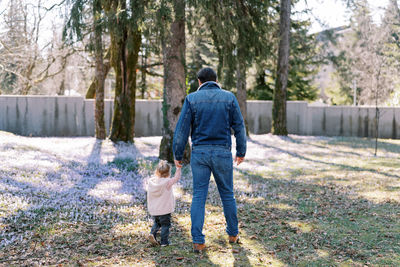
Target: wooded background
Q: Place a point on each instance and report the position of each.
(153, 49)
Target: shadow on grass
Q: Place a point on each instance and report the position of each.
(70, 225)
(341, 166)
(351, 142)
(284, 221)
(78, 227)
(306, 224)
(332, 151)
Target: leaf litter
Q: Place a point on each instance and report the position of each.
(301, 200)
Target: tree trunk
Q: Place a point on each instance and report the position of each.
(133, 48)
(241, 78)
(220, 54)
(100, 130)
(143, 71)
(124, 55)
(61, 89)
(173, 48)
(279, 105)
(91, 92)
(118, 127)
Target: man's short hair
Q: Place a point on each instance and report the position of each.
(207, 74)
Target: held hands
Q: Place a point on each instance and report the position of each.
(178, 163)
(238, 160)
(178, 172)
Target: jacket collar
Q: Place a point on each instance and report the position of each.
(209, 85)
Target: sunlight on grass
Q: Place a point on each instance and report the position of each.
(42, 180)
(110, 190)
(281, 206)
(10, 205)
(9, 188)
(301, 226)
(117, 261)
(249, 253)
(255, 200)
(302, 201)
(214, 223)
(243, 185)
(131, 229)
(322, 253)
(256, 255)
(380, 196)
(215, 256)
(180, 194)
(183, 221)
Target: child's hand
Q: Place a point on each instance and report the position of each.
(178, 172)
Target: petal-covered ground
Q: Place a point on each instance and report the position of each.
(302, 200)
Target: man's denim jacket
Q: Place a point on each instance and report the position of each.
(211, 113)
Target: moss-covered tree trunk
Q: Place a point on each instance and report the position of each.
(91, 92)
(133, 48)
(118, 126)
(279, 105)
(100, 130)
(173, 48)
(143, 84)
(125, 44)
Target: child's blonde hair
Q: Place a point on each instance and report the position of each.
(163, 169)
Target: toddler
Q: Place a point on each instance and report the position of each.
(161, 201)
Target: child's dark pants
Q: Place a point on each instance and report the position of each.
(163, 222)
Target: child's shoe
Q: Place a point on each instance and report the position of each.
(153, 240)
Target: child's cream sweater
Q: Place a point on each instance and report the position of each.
(160, 196)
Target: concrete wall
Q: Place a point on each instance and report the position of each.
(68, 116)
(74, 116)
(353, 121)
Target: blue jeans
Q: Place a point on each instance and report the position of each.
(163, 222)
(218, 160)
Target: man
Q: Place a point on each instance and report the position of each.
(210, 113)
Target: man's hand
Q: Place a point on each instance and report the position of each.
(178, 163)
(239, 160)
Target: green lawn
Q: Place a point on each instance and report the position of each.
(302, 201)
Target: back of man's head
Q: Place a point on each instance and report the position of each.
(206, 75)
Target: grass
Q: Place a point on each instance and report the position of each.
(302, 201)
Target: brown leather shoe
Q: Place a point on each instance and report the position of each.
(234, 239)
(197, 248)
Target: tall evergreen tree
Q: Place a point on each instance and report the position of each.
(237, 29)
(14, 38)
(200, 52)
(279, 105)
(304, 61)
